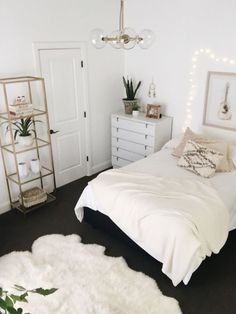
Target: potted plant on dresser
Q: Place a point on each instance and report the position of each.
(130, 102)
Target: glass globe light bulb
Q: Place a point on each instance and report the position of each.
(147, 38)
(115, 42)
(96, 37)
(129, 38)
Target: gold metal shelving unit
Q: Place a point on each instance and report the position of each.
(14, 149)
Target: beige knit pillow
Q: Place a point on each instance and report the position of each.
(199, 159)
(188, 135)
(226, 164)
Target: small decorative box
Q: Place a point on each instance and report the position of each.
(32, 197)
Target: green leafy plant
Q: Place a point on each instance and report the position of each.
(23, 127)
(135, 107)
(130, 90)
(8, 300)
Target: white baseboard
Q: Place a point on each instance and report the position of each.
(100, 167)
(5, 207)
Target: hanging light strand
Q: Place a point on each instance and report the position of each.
(192, 80)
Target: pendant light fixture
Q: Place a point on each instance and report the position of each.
(125, 37)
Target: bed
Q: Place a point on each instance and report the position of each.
(173, 234)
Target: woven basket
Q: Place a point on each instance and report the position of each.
(32, 197)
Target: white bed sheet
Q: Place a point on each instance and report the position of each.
(163, 164)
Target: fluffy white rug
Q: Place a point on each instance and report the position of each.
(88, 281)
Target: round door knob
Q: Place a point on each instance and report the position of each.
(53, 132)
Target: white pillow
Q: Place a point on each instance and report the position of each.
(199, 159)
(174, 142)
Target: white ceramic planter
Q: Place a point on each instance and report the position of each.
(25, 141)
(135, 113)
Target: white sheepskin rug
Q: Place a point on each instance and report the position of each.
(88, 281)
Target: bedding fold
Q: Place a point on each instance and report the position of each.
(178, 221)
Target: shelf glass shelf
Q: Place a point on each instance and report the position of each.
(17, 205)
(20, 79)
(31, 177)
(19, 149)
(36, 112)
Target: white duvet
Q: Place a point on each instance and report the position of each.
(179, 219)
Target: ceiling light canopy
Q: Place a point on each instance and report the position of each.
(125, 37)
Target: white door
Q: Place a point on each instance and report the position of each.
(62, 71)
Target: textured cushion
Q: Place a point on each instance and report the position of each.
(188, 135)
(199, 159)
(226, 164)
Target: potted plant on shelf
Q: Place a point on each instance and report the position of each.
(130, 102)
(23, 128)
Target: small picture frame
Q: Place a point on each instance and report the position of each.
(153, 111)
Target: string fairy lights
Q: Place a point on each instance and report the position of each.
(192, 79)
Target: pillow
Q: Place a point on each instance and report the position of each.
(188, 135)
(173, 143)
(226, 164)
(199, 159)
(234, 155)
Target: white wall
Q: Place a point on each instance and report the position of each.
(27, 21)
(181, 27)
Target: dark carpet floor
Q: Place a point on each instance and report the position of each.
(212, 289)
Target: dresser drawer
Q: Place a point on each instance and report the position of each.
(133, 137)
(125, 154)
(119, 162)
(141, 149)
(135, 126)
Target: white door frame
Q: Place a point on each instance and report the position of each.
(37, 46)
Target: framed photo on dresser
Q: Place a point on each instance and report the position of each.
(153, 111)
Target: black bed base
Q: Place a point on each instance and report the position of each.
(104, 223)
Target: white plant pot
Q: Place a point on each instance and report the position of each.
(25, 141)
(135, 113)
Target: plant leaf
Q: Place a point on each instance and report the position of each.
(3, 304)
(139, 83)
(19, 298)
(9, 301)
(19, 288)
(44, 292)
(11, 310)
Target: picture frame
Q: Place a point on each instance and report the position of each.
(220, 100)
(153, 111)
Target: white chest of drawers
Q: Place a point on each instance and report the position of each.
(134, 138)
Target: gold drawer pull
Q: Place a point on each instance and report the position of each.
(117, 129)
(117, 119)
(146, 136)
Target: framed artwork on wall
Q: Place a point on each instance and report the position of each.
(153, 111)
(220, 100)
